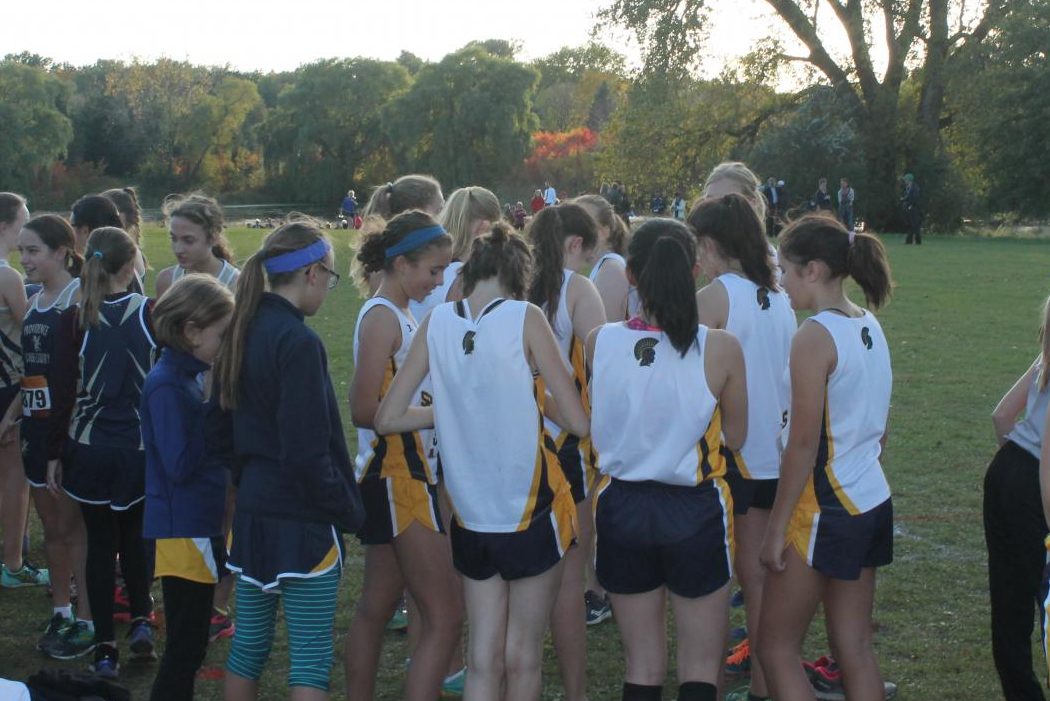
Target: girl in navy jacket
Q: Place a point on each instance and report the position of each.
(185, 493)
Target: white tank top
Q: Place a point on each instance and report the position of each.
(227, 275)
(500, 469)
(412, 454)
(764, 323)
(634, 305)
(654, 416)
(847, 474)
(437, 295)
(10, 343)
(1028, 432)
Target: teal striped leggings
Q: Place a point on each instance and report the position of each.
(309, 610)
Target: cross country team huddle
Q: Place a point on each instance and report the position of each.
(551, 426)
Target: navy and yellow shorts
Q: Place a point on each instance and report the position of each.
(751, 494)
(839, 544)
(392, 504)
(516, 555)
(573, 465)
(651, 534)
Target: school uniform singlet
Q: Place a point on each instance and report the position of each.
(10, 349)
(115, 358)
(38, 341)
(569, 446)
(764, 323)
(1028, 432)
(410, 454)
(227, 275)
(848, 476)
(438, 295)
(654, 417)
(634, 303)
(500, 466)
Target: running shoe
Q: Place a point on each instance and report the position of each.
(738, 634)
(825, 677)
(737, 599)
(738, 663)
(220, 626)
(26, 576)
(597, 607)
(121, 604)
(140, 639)
(77, 640)
(106, 664)
(741, 694)
(54, 631)
(399, 621)
(453, 685)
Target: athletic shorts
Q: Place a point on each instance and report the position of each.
(517, 555)
(105, 476)
(34, 434)
(749, 493)
(652, 535)
(392, 504)
(838, 544)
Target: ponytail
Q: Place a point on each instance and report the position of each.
(405, 193)
(605, 215)
(859, 256)
(733, 224)
(661, 258)
(548, 231)
(501, 254)
(55, 233)
(250, 287)
(109, 250)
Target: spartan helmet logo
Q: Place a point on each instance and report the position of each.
(468, 342)
(762, 294)
(865, 338)
(644, 351)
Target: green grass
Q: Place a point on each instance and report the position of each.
(962, 327)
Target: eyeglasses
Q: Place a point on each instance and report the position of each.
(333, 277)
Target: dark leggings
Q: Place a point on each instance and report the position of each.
(1014, 529)
(187, 607)
(109, 532)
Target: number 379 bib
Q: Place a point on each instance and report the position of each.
(36, 397)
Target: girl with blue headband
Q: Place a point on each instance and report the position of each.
(296, 493)
(398, 475)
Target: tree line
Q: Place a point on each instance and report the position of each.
(967, 112)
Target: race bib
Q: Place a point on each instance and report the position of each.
(36, 397)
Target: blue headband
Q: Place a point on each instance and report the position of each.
(293, 260)
(414, 240)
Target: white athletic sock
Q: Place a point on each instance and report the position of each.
(65, 611)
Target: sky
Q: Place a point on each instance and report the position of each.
(280, 35)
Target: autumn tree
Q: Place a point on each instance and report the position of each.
(934, 31)
(36, 129)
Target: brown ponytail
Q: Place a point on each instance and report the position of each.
(733, 224)
(251, 284)
(501, 254)
(109, 250)
(860, 256)
(605, 215)
(548, 231)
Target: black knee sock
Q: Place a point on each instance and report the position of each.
(697, 691)
(641, 692)
(752, 697)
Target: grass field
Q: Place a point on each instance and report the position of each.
(962, 326)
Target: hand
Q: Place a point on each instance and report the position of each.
(54, 476)
(772, 553)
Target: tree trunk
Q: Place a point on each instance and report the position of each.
(879, 135)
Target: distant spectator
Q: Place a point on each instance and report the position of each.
(774, 206)
(846, 196)
(550, 195)
(536, 203)
(519, 216)
(657, 204)
(910, 203)
(348, 208)
(821, 200)
(678, 206)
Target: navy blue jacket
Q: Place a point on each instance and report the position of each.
(290, 454)
(185, 492)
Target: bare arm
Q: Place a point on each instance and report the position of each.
(813, 358)
(380, 337)
(1012, 404)
(724, 362)
(611, 283)
(395, 413)
(164, 280)
(712, 303)
(541, 347)
(585, 306)
(13, 290)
